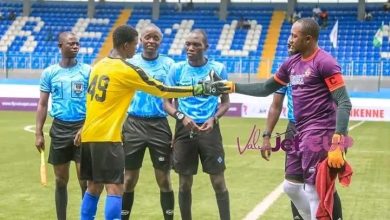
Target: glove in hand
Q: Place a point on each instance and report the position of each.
(336, 155)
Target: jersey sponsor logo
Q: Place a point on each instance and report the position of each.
(296, 80)
(299, 79)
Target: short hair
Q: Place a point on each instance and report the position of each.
(203, 33)
(151, 26)
(310, 27)
(124, 34)
(64, 34)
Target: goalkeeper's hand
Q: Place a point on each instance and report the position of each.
(216, 86)
(336, 155)
(213, 88)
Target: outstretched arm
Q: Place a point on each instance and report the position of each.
(253, 89)
(142, 81)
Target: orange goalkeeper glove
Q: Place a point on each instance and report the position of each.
(336, 156)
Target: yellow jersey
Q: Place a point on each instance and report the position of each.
(111, 87)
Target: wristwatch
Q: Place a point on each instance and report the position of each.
(179, 115)
(266, 134)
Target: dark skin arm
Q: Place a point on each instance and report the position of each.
(272, 118)
(222, 109)
(171, 108)
(40, 120)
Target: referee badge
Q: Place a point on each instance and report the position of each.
(77, 88)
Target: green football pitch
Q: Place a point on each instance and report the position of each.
(250, 179)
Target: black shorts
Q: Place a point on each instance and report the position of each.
(188, 148)
(140, 133)
(102, 162)
(62, 149)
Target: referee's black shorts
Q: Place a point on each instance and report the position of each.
(189, 147)
(62, 149)
(141, 133)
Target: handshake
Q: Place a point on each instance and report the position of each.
(214, 88)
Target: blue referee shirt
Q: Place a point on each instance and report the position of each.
(199, 108)
(144, 104)
(68, 87)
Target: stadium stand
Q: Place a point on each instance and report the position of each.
(355, 52)
(30, 42)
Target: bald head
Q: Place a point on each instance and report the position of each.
(309, 27)
(151, 28)
(62, 37)
(69, 44)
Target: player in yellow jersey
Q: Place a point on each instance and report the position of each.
(112, 85)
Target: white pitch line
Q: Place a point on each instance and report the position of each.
(264, 205)
(261, 207)
(356, 125)
(31, 128)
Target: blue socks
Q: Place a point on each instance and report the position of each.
(112, 210)
(113, 207)
(89, 206)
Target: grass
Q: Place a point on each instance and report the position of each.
(249, 177)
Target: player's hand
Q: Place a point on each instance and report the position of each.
(190, 124)
(206, 88)
(336, 156)
(40, 142)
(208, 125)
(215, 86)
(77, 138)
(223, 86)
(266, 149)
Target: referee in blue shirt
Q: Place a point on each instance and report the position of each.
(67, 83)
(147, 126)
(197, 132)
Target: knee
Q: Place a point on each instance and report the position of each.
(61, 181)
(130, 183)
(219, 184)
(185, 186)
(165, 184)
